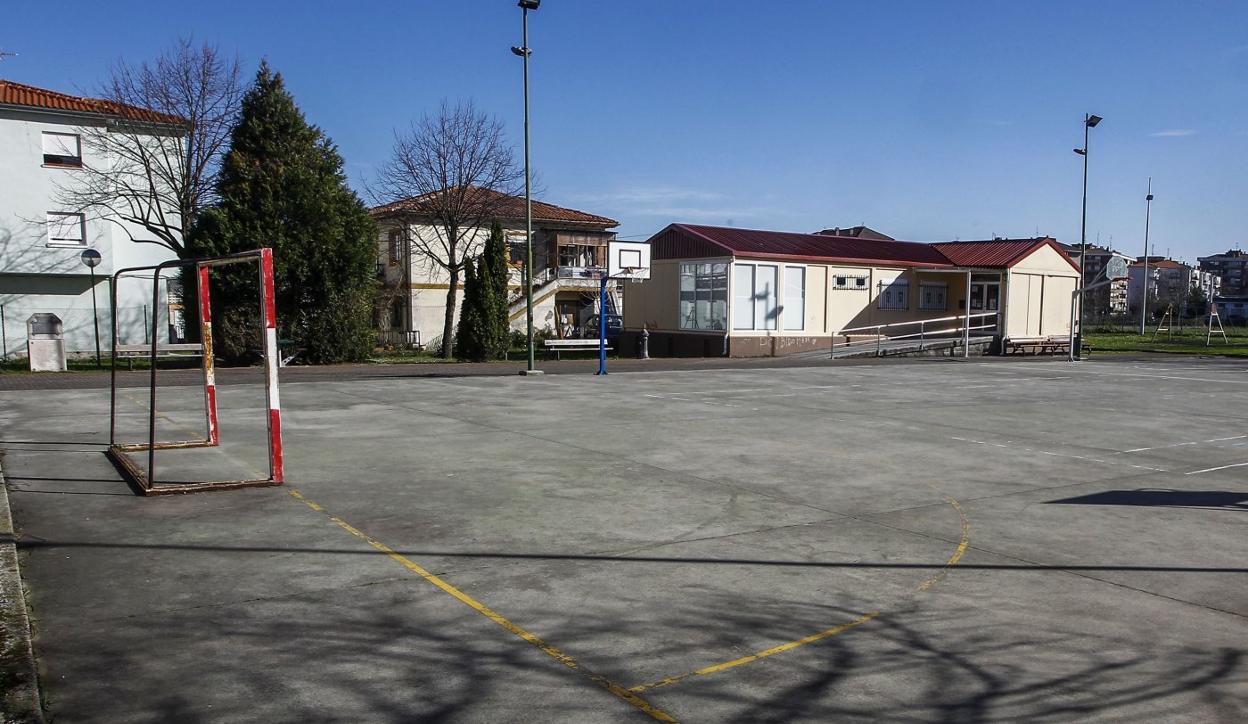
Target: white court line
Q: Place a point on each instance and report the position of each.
(1181, 444)
(1057, 454)
(1098, 373)
(692, 402)
(1220, 467)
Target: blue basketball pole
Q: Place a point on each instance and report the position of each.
(602, 326)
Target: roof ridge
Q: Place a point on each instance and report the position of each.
(61, 101)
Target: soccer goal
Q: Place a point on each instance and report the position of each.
(123, 454)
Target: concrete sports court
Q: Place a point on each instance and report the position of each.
(917, 540)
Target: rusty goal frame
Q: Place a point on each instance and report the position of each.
(144, 479)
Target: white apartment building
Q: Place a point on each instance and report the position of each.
(41, 240)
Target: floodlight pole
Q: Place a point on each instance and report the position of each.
(1076, 348)
(523, 51)
(1148, 210)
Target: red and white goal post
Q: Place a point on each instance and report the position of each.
(144, 479)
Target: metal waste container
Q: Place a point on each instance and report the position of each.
(45, 342)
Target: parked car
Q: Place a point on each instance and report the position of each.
(615, 325)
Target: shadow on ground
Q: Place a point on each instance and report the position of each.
(1164, 498)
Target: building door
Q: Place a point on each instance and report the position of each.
(985, 297)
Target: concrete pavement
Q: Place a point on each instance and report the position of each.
(928, 540)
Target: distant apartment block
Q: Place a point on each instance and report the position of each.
(1110, 299)
(1232, 267)
(1167, 282)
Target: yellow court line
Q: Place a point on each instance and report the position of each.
(957, 553)
(618, 691)
(925, 585)
(755, 657)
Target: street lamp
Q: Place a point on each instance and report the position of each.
(1148, 210)
(91, 258)
(1089, 122)
(524, 52)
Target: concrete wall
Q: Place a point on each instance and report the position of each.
(37, 276)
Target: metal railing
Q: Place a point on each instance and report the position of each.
(964, 329)
(398, 338)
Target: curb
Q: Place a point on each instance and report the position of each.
(19, 684)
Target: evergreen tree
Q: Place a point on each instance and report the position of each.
(496, 272)
(282, 186)
(472, 335)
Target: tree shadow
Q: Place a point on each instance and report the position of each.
(1208, 499)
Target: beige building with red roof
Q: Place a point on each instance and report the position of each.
(716, 291)
(569, 256)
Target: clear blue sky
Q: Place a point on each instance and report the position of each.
(928, 121)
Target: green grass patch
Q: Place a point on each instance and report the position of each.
(1187, 341)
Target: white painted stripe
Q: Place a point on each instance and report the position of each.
(1220, 467)
(272, 361)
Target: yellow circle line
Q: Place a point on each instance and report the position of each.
(827, 633)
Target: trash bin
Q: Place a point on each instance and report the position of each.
(45, 342)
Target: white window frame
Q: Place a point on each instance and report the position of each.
(763, 311)
(942, 288)
(694, 272)
(75, 160)
(894, 295)
(794, 319)
(57, 220)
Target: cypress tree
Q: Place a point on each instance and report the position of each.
(282, 186)
(496, 272)
(472, 335)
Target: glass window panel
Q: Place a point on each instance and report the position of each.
(65, 228)
(794, 297)
(765, 294)
(743, 296)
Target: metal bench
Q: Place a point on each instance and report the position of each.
(131, 352)
(571, 345)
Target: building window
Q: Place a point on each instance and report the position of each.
(794, 297)
(755, 296)
(66, 229)
(895, 294)
(849, 281)
(62, 149)
(704, 296)
(518, 248)
(933, 295)
(396, 246)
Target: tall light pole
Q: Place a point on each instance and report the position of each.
(91, 258)
(1089, 122)
(1148, 211)
(524, 52)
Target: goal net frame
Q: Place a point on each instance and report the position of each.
(144, 478)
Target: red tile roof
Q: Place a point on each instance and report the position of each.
(1161, 264)
(996, 253)
(689, 241)
(26, 96)
(756, 243)
(505, 208)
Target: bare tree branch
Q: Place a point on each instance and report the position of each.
(450, 175)
(158, 152)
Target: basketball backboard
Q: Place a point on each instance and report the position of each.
(628, 260)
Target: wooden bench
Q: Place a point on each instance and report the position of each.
(1040, 345)
(571, 345)
(131, 352)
